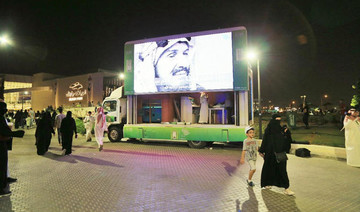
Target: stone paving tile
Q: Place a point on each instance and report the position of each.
(164, 176)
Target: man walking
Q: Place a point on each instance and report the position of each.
(58, 120)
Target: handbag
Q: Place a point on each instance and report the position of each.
(280, 156)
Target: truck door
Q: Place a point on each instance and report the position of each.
(111, 109)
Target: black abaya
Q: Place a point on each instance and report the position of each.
(67, 129)
(43, 135)
(275, 140)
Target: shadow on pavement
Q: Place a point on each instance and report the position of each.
(136, 153)
(160, 143)
(73, 146)
(251, 204)
(229, 168)
(275, 201)
(184, 144)
(96, 161)
(55, 148)
(237, 202)
(76, 158)
(5, 204)
(84, 147)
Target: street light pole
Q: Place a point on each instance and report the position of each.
(259, 99)
(321, 100)
(251, 56)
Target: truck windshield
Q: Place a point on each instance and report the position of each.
(109, 106)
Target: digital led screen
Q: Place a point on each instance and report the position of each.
(198, 63)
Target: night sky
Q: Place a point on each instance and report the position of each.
(307, 47)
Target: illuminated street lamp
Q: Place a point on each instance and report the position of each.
(4, 40)
(321, 99)
(121, 77)
(292, 104)
(304, 101)
(251, 55)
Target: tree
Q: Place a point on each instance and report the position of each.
(355, 101)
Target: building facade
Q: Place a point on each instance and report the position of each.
(43, 90)
(16, 90)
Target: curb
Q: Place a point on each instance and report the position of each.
(321, 151)
(336, 153)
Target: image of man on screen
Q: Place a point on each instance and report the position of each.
(172, 65)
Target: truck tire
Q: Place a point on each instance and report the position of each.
(197, 144)
(115, 134)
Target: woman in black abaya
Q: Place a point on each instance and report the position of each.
(43, 133)
(67, 129)
(276, 139)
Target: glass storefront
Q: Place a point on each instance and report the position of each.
(17, 100)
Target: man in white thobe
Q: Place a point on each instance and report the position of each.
(204, 108)
(352, 137)
(89, 122)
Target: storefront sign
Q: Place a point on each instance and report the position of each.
(76, 93)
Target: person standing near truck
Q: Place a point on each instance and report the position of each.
(89, 121)
(204, 108)
(100, 127)
(249, 153)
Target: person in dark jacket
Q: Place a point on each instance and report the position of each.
(5, 135)
(306, 116)
(37, 117)
(53, 116)
(23, 118)
(67, 129)
(276, 139)
(43, 133)
(18, 117)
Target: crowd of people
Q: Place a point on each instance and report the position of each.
(46, 123)
(275, 144)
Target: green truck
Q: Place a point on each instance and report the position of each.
(173, 83)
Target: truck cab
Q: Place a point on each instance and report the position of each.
(115, 110)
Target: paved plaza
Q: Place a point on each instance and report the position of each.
(167, 176)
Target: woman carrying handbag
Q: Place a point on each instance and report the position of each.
(275, 144)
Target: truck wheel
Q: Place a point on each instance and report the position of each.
(115, 134)
(197, 144)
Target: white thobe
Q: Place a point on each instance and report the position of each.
(352, 142)
(204, 109)
(99, 130)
